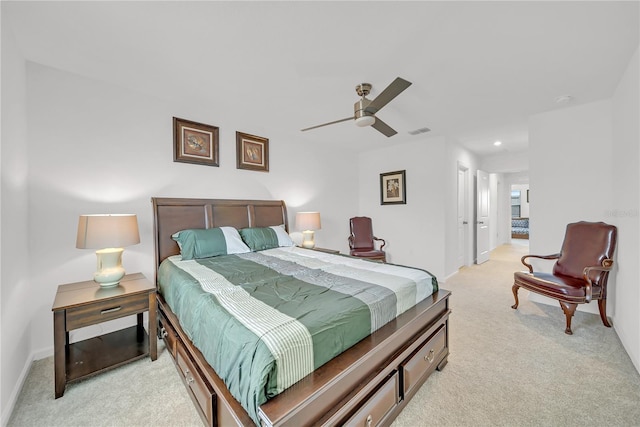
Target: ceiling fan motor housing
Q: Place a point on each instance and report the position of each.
(362, 117)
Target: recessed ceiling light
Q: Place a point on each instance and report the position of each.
(563, 99)
(497, 143)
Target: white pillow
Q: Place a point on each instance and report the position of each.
(235, 245)
(283, 237)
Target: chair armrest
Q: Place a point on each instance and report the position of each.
(350, 238)
(380, 240)
(606, 266)
(529, 266)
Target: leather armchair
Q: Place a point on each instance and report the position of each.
(362, 241)
(580, 273)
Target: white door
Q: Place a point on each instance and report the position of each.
(482, 218)
(462, 215)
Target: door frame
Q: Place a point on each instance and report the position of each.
(461, 167)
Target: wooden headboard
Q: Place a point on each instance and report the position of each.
(175, 214)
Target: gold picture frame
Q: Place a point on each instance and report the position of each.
(195, 143)
(393, 188)
(252, 152)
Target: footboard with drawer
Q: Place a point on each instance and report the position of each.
(367, 385)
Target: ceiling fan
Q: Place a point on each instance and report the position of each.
(365, 109)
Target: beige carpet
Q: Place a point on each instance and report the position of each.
(506, 368)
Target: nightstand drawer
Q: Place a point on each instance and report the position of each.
(90, 314)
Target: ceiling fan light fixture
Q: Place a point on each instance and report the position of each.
(364, 121)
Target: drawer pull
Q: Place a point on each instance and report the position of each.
(369, 420)
(190, 380)
(429, 357)
(111, 310)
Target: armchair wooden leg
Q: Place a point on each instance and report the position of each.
(515, 288)
(602, 306)
(569, 309)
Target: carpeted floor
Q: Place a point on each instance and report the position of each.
(507, 368)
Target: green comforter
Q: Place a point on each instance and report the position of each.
(264, 320)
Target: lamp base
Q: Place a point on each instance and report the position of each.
(308, 239)
(110, 270)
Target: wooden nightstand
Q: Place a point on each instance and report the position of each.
(329, 251)
(86, 303)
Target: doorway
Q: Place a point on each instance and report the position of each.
(520, 213)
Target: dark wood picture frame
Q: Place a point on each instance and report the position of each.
(195, 143)
(252, 152)
(393, 188)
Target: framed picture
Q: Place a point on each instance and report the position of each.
(252, 152)
(393, 188)
(195, 142)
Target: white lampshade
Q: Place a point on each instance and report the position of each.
(307, 222)
(109, 234)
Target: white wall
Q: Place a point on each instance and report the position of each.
(584, 166)
(455, 155)
(16, 306)
(413, 231)
(625, 209)
(570, 172)
(96, 148)
(505, 162)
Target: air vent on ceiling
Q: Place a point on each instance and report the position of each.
(419, 131)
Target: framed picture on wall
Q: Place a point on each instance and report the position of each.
(252, 152)
(195, 142)
(393, 188)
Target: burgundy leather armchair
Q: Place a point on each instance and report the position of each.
(362, 241)
(580, 273)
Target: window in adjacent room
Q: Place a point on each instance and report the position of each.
(515, 204)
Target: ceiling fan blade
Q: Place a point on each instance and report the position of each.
(327, 124)
(394, 89)
(384, 128)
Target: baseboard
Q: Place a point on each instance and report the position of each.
(11, 402)
(43, 353)
(449, 276)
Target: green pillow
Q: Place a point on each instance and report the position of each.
(261, 238)
(209, 242)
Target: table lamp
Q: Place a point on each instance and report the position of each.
(307, 222)
(109, 234)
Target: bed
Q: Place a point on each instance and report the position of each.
(367, 382)
(519, 228)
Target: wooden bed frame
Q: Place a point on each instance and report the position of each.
(369, 384)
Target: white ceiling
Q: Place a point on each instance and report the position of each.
(479, 69)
